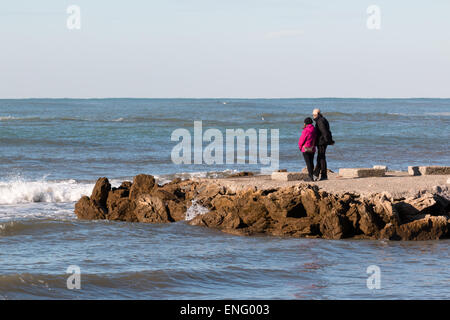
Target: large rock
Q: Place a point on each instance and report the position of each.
(175, 206)
(383, 207)
(210, 219)
(302, 227)
(119, 206)
(94, 208)
(302, 210)
(100, 191)
(123, 209)
(427, 228)
(284, 203)
(335, 226)
(174, 187)
(142, 184)
(177, 210)
(414, 208)
(151, 209)
(307, 211)
(87, 209)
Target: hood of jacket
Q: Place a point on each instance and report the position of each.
(309, 128)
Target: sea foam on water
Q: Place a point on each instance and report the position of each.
(18, 191)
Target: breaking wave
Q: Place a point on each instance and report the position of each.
(7, 118)
(17, 191)
(21, 191)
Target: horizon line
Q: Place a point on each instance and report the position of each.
(218, 98)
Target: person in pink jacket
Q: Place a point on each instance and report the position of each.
(307, 145)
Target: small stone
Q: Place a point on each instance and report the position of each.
(289, 176)
(385, 168)
(361, 172)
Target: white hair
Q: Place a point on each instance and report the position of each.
(316, 111)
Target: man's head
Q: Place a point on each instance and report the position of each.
(316, 113)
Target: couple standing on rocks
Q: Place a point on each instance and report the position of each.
(319, 136)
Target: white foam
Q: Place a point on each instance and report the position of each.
(194, 210)
(18, 191)
(445, 114)
(7, 118)
(43, 210)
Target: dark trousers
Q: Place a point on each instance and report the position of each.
(321, 165)
(309, 160)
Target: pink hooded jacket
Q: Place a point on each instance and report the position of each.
(308, 138)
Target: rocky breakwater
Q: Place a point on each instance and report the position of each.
(302, 210)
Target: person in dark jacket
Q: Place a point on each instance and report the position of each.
(324, 138)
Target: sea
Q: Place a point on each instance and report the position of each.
(53, 150)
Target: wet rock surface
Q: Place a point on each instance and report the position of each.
(140, 201)
(302, 210)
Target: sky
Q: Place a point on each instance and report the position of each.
(224, 49)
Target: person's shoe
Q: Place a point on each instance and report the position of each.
(323, 178)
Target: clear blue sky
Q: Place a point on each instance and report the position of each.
(226, 48)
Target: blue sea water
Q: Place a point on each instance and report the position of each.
(53, 150)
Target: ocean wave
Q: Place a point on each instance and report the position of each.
(33, 225)
(18, 191)
(157, 283)
(440, 114)
(7, 118)
(339, 114)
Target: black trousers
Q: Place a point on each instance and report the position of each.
(309, 160)
(321, 165)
